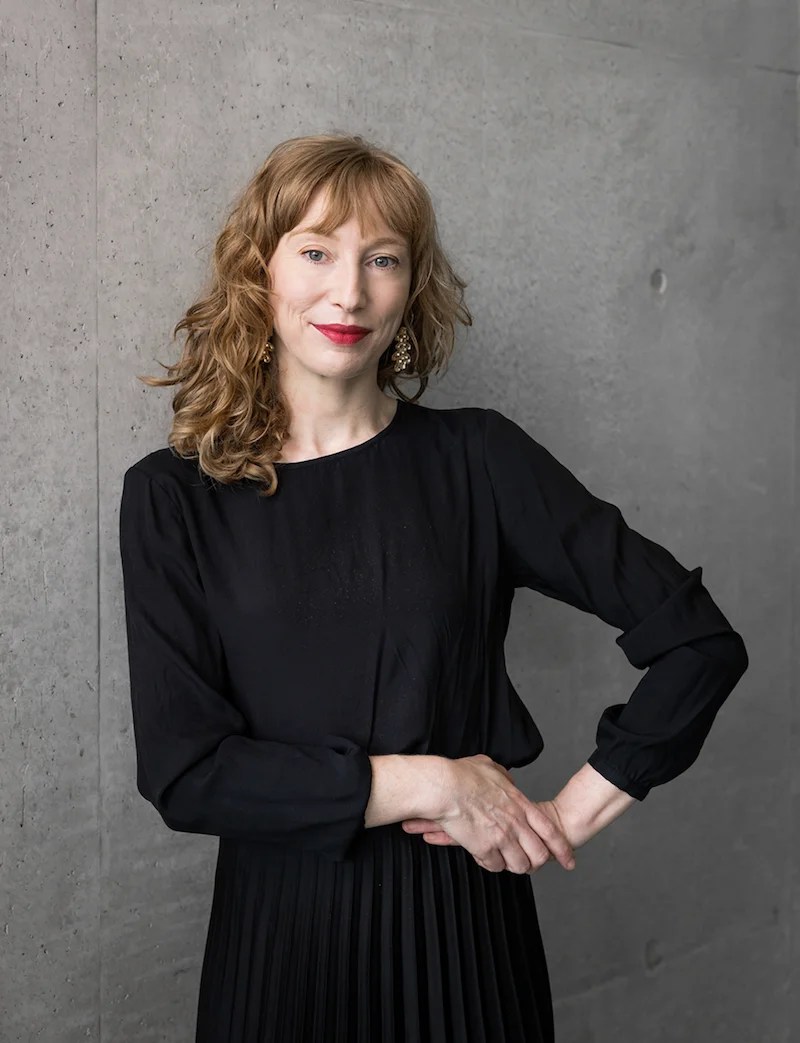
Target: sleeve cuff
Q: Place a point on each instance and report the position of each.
(616, 778)
(341, 850)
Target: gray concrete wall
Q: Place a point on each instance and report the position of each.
(572, 150)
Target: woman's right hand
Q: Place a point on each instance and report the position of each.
(494, 820)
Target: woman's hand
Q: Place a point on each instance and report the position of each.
(495, 821)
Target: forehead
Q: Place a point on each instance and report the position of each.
(318, 220)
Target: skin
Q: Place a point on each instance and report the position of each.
(332, 392)
(585, 805)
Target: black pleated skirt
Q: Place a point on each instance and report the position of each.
(405, 943)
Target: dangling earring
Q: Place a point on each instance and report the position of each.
(401, 355)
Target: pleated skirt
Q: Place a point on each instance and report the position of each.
(405, 942)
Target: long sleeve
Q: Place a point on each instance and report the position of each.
(196, 762)
(560, 539)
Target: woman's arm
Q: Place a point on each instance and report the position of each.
(406, 786)
(560, 539)
(587, 804)
(197, 761)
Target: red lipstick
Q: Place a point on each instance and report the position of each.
(342, 334)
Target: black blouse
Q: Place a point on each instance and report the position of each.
(276, 642)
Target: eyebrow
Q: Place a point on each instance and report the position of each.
(385, 240)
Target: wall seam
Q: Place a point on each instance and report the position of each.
(100, 850)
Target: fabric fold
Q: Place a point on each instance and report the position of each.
(444, 959)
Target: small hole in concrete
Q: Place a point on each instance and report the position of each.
(658, 281)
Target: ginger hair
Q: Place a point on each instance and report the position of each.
(228, 410)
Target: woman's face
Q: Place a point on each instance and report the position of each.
(342, 280)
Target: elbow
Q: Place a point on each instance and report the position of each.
(743, 660)
(728, 650)
(179, 816)
(736, 656)
(176, 822)
(184, 815)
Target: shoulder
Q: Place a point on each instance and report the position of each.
(480, 423)
(168, 470)
(454, 422)
(487, 437)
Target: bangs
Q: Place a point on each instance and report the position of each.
(372, 193)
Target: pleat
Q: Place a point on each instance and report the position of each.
(384, 941)
(213, 966)
(492, 1025)
(273, 1022)
(361, 951)
(471, 994)
(340, 970)
(320, 1025)
(300, 929)
(412, 965)
(452, 943)
(504, 960)
(525, 942)
(268, 880)
(428, 924)
(406, 942)
(252, 954)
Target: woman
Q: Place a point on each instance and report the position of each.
(318, 578)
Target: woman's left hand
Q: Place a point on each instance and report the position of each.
(432, 832)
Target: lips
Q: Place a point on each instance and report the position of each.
(342, 334)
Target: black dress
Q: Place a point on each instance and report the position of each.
(275, 643)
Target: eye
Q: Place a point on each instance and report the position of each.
(382, 267)
(384, 257)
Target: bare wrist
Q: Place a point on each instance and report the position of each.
(408, 786)
(440, 789)
(588, 803)
(430, 786)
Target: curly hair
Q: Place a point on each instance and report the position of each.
(229, 412)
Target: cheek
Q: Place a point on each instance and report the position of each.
(296, 295)
(302, 289)
(294, 284)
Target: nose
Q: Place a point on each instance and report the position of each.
(348, 286)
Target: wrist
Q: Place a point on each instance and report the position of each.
(434, 776)
(588, 803)
(407, 786)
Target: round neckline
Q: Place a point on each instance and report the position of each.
(351, 449)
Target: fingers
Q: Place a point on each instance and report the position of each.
(542, 841)
(525, 852)
(432, 832)
(525, 856)
(551, 836)
(421, 825)
(535, 841)
(492, 863)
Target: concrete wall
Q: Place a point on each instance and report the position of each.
(572, 151)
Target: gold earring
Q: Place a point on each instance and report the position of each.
(401, 355)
